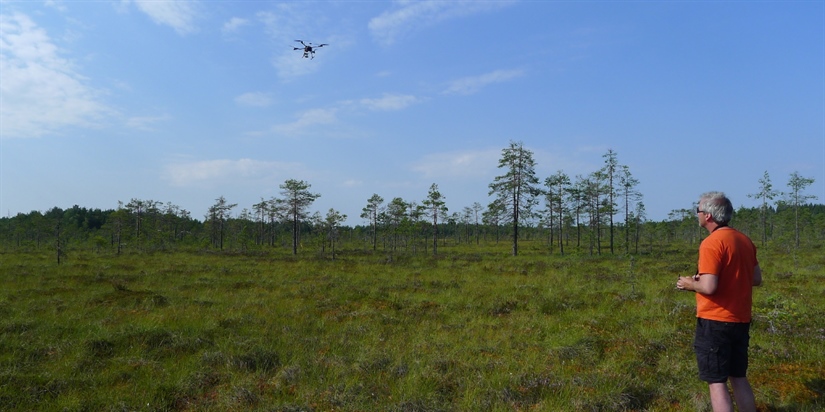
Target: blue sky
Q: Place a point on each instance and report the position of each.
(187, 101)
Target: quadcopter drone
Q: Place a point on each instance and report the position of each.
(309, 48)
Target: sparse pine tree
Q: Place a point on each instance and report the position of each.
(517, 189)
(296, 200)
(766, 194)
(796, 198)
(435, 208)
(371, 213)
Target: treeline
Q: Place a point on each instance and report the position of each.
(598, 213)
(156, 227)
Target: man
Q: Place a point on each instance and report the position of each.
(724, 282)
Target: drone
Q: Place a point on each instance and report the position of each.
(309, 48)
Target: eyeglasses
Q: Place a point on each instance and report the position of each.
(699, 211)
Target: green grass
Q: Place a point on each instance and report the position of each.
(464, 332)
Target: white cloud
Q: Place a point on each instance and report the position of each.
(285, 19)
(307, 119)
(179, 14)
(290, 65)
(222, 171)
(255, 99)
(41, 92)
(478, 163)
(390, 102)
(145, 122)
(233, 25)
(313, 118)
(411, 15)
(54, 4)
(470, 85)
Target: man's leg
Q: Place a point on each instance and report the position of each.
(744, 394)
(720, 398)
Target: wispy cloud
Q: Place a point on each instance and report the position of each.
(307, 120)
(54, 4)
(233, 25)
(179, 14)
(283, 20)
(470, 85)
(221, 171)
(390, 102)
(41, 91)
(467, 164)
(145, 123)
(350, 183)
(325, 116)
(254, 99)
(407, 16)
(290, 65)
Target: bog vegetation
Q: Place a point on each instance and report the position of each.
(473, 329)
(501, 308)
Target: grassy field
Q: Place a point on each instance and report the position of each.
(463, 332)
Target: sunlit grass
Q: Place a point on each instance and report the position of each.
(468, 331)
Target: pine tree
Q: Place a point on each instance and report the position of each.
(517, 188)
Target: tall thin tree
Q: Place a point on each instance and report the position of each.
(297, 198)
(260, 220)
(797, 184)
(218, 215)
(594, 189)
(371, 212)
(332, 222)
(765, 194)
(477, 209)
(557, 185)
(435, 208)
(518, 187)
(639, 217)
(576, 194)
(396, 215)
(610, 172)
(627, 184)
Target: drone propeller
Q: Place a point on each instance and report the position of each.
(310, 43)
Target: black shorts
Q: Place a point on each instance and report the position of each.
(721, 349)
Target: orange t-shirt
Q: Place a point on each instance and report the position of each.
(730, 255)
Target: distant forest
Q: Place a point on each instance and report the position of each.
(594, 214)
(151, 227)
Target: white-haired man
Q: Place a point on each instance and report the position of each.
(727, 272)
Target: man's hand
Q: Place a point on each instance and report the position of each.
(686, 283)
(705, 284)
